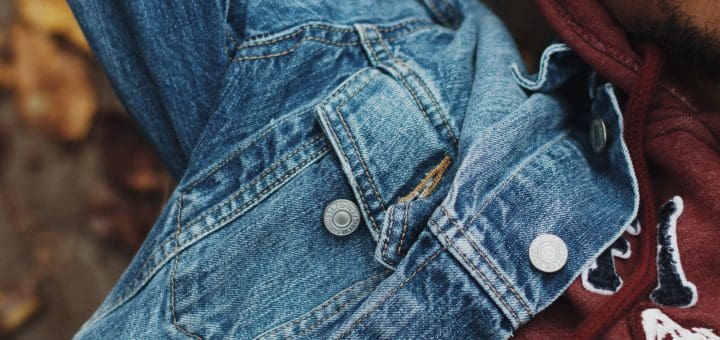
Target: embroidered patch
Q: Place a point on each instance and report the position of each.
(634, 228)
(657, 325)
(673, 288)
(601, 277)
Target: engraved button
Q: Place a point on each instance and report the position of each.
(598, 135)
(341, 217)
(548, 253)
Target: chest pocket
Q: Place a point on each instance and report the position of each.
(254, 256)
(386, 137)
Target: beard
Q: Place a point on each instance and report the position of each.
(682, 40)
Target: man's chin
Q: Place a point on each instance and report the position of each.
(684, 43)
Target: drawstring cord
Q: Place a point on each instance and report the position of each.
(634, 117)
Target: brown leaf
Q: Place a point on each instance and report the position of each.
(16, 308)
(7, 75)
(53, 88)
(52, 17)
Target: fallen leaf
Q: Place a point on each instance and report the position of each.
(7, 75)
(52, 17)
(53, 87)
(7, 78)
(16, 308)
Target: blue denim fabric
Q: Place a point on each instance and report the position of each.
(417, 111)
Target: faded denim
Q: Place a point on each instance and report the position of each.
(417, 111)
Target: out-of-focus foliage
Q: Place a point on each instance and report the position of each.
(52, 17)
(16, 307)
(80, 186)
(51, 83)
(53, 89)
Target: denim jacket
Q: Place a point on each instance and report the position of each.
(420, 113)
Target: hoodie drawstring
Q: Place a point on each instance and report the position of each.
(640, 284)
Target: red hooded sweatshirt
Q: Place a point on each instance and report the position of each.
(671, 272)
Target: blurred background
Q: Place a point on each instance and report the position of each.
(79, 184)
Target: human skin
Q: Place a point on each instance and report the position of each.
(688, 31)
(703, 13)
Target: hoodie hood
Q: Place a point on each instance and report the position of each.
(593, 34)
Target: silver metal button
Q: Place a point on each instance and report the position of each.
(598, 135)
(341, 217)
(548, 253)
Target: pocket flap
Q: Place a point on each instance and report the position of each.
(385, 136)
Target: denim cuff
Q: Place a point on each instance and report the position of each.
(503, 197)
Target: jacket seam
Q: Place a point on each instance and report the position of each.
(266, 172)
(485, 258)
(277, 182)
(412, 93)
(354, 143)
(257, 41)
(441, 112)
(241, 149)
(297, 44)
(172, 277)
(407, 86)
(341, 151)
(178, 248)
(390, 294)
(402, 79)
(391, 212)
(151, 262)
(404, 229)
(516, 172)
(477, 271)
(368, 44)
(436, 12)
(393, 291)
(499, 190)
(356, 288)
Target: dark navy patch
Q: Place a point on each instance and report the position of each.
(601, 277)
(673, 288)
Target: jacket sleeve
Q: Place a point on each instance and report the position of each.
(165, 60)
